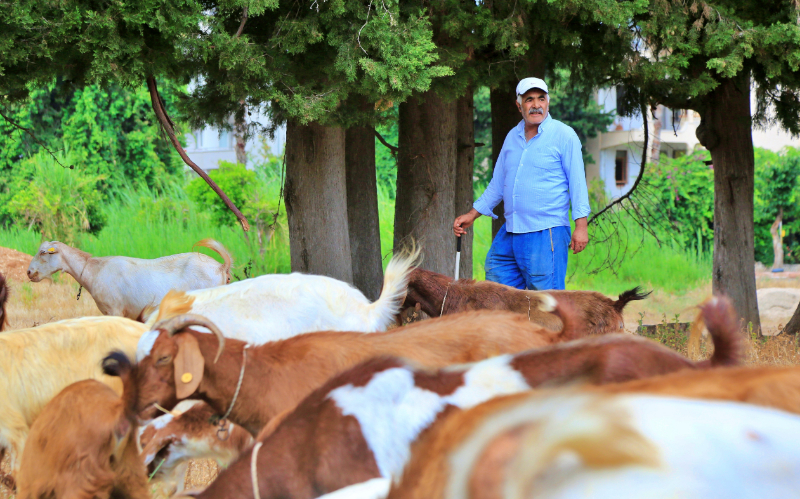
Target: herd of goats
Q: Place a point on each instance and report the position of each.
(299, 387)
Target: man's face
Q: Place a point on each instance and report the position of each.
(534, 106)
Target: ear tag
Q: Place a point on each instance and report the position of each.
(51, 250)
(186, 378)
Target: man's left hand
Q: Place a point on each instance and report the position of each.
(580, 237)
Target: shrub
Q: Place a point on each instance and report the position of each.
(60, 202)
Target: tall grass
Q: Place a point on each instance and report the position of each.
(144, 225)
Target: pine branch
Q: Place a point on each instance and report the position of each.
(628, 194)
(389, 146)
(35, 139)
(169, 129)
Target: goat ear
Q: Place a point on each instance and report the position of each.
(189, 364)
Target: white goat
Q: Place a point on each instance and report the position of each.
(37, 363)
(124, 286)
(279, 306)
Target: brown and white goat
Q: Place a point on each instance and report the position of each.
(562, 444)
(170, 441)
(361, 424)
(3, 300)
(83, 444)
(276, 376)
(437, 294)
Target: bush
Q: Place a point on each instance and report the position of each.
(60, 202)
(684, 191)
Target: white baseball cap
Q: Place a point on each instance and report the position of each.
(526, 84)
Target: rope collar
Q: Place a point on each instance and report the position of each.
(441, 312)
(254, 471)
(80, 286)
(223, 429)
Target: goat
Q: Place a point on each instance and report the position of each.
(3, 300)
(37, 363)
(437, 294)
(124, 286)
(275, 306)
(360, 424)
(276, 376)
(83, 444)
(563, 445)
(170, 441)
(769, 386)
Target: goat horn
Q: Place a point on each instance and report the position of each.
(175, 324)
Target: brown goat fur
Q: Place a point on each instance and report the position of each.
(83, 444)
(280, 374)
(768, 386)
(599, 313)
(316, 448)
(3, 300)
(171, 441)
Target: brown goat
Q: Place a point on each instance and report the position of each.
(3, 300)
(83, 444)
(333, 438)
(430, 290)
(170, 441)
(277, 375)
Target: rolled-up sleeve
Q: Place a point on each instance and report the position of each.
(494, 191)
(572, 162)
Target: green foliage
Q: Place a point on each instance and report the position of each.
(777, 189)
(60, 203)
(482, 119)
(685, 190)
(234, 179)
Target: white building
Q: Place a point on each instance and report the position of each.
(618, 152)
(209, 146)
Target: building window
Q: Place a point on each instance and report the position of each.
(621, 168)
(224, 142)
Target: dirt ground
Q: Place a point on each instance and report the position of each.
(31, 304)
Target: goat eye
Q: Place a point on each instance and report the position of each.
(163, 360)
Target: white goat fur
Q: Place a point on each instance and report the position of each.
(279, 306)
(576, 446)
(37, 363)
(124, 286)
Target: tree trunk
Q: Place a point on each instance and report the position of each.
(362, 211)
(465, 159)
(505, 116)
(726, 131)
(777, 243)
(316, 201)
(426, 170)
(655, 136)
(239, 134)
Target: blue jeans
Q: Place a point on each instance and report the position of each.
(533, 260)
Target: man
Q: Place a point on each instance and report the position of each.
(538, 172)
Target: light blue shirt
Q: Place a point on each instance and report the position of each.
(537, 179)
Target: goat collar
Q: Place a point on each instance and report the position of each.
(254, 470)
(222, 429)
(444, 300)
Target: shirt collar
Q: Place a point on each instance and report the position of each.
(542, 126)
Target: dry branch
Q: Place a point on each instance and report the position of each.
(169, 128)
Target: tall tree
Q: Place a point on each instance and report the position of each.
(707, 56)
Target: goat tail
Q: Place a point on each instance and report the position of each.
(573, 326)
(395, 285)
(118, 364)
(629, 296)
(721, 321)
(221, 251)
(3, 299)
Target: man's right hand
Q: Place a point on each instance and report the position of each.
(465, 221)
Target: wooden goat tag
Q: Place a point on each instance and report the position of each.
(189, 364)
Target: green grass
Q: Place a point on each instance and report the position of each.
(136, 229)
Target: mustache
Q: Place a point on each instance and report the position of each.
(536, 110)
